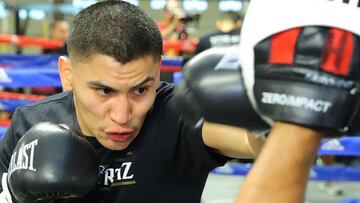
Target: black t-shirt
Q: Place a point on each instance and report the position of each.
(218, 39)
(167, 162)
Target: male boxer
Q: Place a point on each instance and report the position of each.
(147, 151)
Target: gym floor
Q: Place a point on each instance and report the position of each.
(223, 189)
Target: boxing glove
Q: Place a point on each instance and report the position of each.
(303, 69)
(315, 86)
(213, 89)
(50, 162)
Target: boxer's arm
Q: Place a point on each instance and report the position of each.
(7, 145)
(290, 151)
(231, 141)
(19, 125)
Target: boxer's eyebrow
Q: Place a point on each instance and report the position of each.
(148, 79)
(99, 84)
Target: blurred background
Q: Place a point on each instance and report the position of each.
(35, 17)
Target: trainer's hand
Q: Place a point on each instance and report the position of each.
(306, 75)
(51, 161)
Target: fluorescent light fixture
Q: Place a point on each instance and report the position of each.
(135, 2)
(195, 5)
(230, 5)
(34, 14)
(157, 4)
(37, 14)
(23, 14)
(3, 11)
(83, 3)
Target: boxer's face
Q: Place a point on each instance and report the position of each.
(111, 99)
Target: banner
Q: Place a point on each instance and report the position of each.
(42, 70)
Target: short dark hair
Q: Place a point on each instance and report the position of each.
(114, 28)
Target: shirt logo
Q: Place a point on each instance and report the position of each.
(116, 176)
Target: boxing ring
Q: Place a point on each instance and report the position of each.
(346, 146)
(19, 71)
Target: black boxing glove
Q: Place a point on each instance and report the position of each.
(310, 76)
(50, 162)
(213, 89)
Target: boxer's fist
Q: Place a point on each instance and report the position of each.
(213, 89)
(51, 161)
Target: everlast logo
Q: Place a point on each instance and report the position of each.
(23, 158)
(117, 176)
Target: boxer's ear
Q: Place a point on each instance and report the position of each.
(65, 71)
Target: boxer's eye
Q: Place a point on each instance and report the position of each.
(104, 91)
(100, 88)
(141, 91)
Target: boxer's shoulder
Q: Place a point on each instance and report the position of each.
(62, 97)
(165, 88)
(58, 108)
(164, 93)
